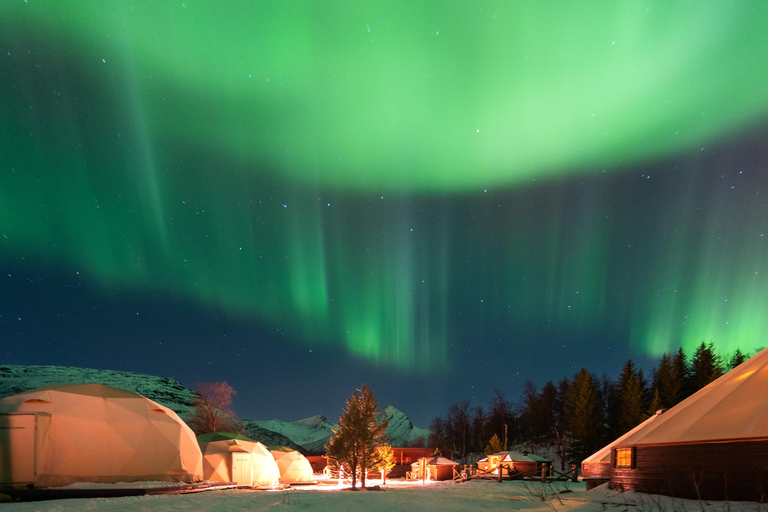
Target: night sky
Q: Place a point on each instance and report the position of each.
(434, 198)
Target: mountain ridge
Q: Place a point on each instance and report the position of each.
(308, 435)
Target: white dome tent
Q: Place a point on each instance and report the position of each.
(64, 433)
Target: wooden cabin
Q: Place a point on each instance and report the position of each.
(434, 468)
(523, 463)
(404, 457)
(712, 445)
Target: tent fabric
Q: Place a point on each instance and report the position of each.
(217, 451)
(733, 407)
(96, 433)
(604, 454)
(294, 467)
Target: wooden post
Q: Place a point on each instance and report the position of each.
(544, 471)
(574, 473)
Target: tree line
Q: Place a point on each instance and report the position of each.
(578, 415)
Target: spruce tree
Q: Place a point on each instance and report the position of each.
(584, 417)
(736, 359)
(632, 406)
(679, 387)
(655, 404)
(706, 366)
(353, 445)
(494, 445)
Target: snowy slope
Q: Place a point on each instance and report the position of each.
(15, 379)
(400, 430)
(313, 433)
(308, 435)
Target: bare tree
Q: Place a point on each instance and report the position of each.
(213, 409)
(458, 425)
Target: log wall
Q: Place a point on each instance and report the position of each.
(733, 471)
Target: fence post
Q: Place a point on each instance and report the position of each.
(544, 471)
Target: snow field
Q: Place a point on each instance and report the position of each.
(481, 495)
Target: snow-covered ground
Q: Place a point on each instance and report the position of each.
(482, 495)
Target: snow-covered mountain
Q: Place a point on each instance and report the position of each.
(400, 430)
(313, 433)
(308, 435)
(15, 379)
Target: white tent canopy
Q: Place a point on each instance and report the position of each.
(60, 434)
(294, 467)
(733, 407)
(222, 452)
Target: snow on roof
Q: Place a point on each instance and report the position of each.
(436, 461)
(514, 456)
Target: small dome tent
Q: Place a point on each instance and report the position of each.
(235, 458)
(64, 433)
(712, 445)
(294, 467)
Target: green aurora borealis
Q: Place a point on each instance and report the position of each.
(397, 181)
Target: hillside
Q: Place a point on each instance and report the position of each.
(308, 435)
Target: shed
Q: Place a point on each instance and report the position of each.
(60, 434)
(229, 457)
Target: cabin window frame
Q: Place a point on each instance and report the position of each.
(624, 458)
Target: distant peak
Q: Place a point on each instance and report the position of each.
(314, 420)
(390, 410)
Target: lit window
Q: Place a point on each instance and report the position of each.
(624, 457)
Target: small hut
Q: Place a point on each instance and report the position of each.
(522, 463)
(434, 468)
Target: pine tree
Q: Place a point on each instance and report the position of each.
(353, 445)
(706, 366)
(494, 445)
(655, 405)
(385, 460)
(679, 387)
(584, 416)
(736, 359)
(632, 406)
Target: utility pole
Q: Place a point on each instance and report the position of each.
(505, 437)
